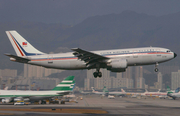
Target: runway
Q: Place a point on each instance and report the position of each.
(96, 105)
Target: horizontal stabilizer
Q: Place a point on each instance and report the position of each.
(18, 58)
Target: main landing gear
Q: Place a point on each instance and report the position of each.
(156, 69)
(97, 73)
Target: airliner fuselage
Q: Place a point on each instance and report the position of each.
(134, 57)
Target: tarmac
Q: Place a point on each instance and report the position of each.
(97, 105)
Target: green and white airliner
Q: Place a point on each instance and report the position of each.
(63, 88)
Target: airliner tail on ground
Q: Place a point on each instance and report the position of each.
(63, 88)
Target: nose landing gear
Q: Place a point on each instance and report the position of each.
(156, 69)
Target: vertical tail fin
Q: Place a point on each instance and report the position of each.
(177, 90)
(6, 88)
(122, 90)
(92, 89)
(66, 85)
(21, 46)
(169, 90)
(159, 90)
(105, 89)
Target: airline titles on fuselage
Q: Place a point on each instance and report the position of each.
(133, 51)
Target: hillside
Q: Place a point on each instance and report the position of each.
(128, 29)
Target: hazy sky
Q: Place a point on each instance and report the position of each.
(75, 11)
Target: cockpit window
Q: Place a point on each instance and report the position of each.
(168, 51)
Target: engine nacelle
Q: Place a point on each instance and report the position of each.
(21, 99)
(7, 100)
(117, 65)
(17, 99)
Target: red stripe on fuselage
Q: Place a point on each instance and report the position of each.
(54, 59)
(16, 45)
(106, 56)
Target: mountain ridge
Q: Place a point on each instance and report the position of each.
(113, 31)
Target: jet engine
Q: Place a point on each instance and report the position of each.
(117, 65)
(17, 99)
(21, 99)
(6, 100)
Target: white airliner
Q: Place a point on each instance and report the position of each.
(116, 60)
(63, 88)
(153, 94)
(117, 93)
(104, 93)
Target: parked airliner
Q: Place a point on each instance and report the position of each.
(116, 60)
(63, 88)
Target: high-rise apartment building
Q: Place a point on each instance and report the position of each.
(8, 73)
(128, 73)
(175, 80)
(38, 71)
(106, 80)
(88, 83)
(139, 80)
(168, 69)
(160, 80)
(140, 83)
(118, 75)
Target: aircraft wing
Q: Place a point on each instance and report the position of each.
(18, 59)
(88, 57)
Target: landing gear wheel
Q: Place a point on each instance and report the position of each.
(40, 102)
(99, 74)
(156, 65)
(62, 102)
(156, 69)
(95, 74)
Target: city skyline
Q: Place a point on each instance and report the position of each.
(133, 78)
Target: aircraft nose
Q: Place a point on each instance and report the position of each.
(175, 55)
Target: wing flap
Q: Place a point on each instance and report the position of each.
(89, 58)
